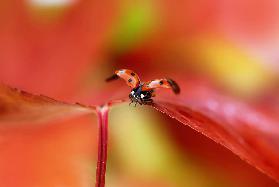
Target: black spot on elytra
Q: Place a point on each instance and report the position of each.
(130, 80)
(133, 74)
(161, 82)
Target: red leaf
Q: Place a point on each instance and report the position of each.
(217, 159)
(20, 107)
(248, 131)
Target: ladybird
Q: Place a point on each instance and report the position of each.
(142, 92)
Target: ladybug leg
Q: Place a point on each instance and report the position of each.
(131, 99)
(148, 101)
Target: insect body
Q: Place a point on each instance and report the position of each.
(142, 92)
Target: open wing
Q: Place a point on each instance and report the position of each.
(161, 83)
(130, 77)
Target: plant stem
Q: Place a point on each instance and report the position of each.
(102, 112)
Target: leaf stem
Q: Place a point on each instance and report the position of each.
(102, 113)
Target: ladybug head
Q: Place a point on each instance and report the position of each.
(137, 95)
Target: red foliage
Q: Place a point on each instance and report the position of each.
(51, 58)
(246, 130)
(48, 154)
(17, 106)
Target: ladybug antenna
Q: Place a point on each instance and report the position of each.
(111, 78)
(174, 86)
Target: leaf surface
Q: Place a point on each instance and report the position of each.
(249, 131)
(18, 106)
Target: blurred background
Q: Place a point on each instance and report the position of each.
(66, 48)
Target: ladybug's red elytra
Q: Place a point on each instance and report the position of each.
(142, 92)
